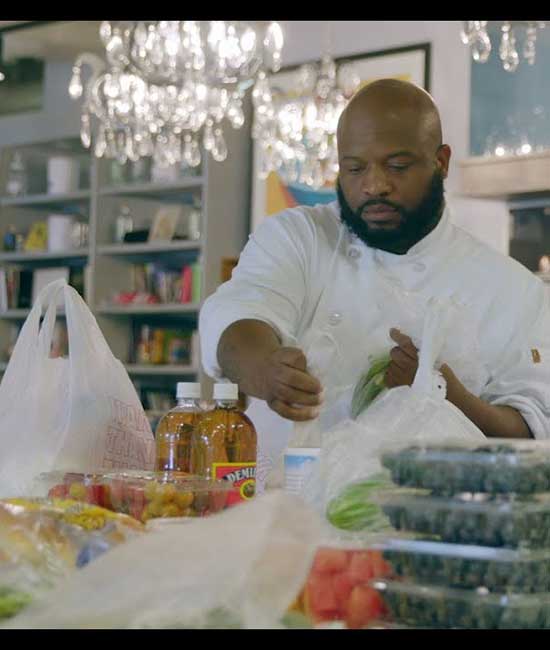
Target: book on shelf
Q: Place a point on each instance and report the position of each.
(19, 288)
(168, 285)
(162, 346)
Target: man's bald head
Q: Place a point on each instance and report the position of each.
(392, 164)
(387, 104)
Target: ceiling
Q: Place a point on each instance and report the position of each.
(51, 41)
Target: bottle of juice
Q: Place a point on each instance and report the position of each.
(175, 430)
(225, 445)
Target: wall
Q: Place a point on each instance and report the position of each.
(305, 40)
(504, 102)
(59, 117)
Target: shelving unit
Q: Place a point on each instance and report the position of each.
(45, 200)
(223, 191)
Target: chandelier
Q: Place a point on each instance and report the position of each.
(296, 130)
(165, 87)
(474, 34)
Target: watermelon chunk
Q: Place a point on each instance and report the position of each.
(321, 597)
(360, 567)
(329, 560)
(58, 492)
(380, 567)
(364, 605)
(342, 586)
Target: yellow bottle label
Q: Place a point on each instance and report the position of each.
(241, 475)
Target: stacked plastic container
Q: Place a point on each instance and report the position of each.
(473, 549)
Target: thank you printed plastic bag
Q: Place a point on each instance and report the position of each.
(78, 413)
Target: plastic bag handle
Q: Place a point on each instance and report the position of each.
(48, 296)
(439, 315)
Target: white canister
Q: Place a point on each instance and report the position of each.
(60, 232)
(298, 463)
(63, 173)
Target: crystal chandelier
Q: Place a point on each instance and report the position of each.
(164, 85)
(474, 34)
(296, 132)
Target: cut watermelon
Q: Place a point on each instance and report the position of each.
(360, 567)
(380, 567)
(364, 605)
(342, 586)
(329, 560)
(58, 492)
(321, 594)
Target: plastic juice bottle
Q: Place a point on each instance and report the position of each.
(225, 445)
(175, 430)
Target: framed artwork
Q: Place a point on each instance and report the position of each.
(270, 196)
(165, 223)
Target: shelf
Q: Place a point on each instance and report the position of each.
(44, 257)
(21, 314)
(140, 252)
(506, 177)
(45, 200)
(135, 369)
(15, 314)
(154, 190)
(146, 310)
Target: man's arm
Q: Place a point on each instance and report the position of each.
(250, 354)
(493, 420)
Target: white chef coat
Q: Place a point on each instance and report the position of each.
(307, 276)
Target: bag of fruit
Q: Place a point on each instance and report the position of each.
(241, 568)
(76, 413)
(349, 470)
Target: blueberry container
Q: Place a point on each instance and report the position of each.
(468, 566)
(498, 467)
(420, 605)
(471, 518)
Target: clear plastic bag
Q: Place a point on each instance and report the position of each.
(241, 568)
(76, 413)
(419, 414)
(42, 542)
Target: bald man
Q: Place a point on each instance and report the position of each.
(304, 287)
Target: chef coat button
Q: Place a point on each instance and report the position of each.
(335, 318)
(354, 253)
(419, 266)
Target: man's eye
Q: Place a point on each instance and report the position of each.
(354, 170)
(399, 167)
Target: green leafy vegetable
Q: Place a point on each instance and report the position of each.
(353, 510)
(370, 385)
(12, 601)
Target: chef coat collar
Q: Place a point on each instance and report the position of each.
(426, 246)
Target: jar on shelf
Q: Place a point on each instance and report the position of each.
(17, 179)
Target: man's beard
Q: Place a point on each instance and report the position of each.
(414, 226)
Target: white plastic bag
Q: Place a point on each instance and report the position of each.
(243, 567)
(401, 416)
(77, 413)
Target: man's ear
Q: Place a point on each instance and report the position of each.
(443, 156)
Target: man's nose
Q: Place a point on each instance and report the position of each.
(376, 183)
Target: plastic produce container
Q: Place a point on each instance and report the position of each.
(500, 467)
(480, 519)
(152, 495)
(419, 605)
(465, 566)
(88, 487)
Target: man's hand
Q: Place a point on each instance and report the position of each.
(404, 361)
(288, 388)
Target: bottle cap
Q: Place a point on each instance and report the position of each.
(185, 389)
(226, 391)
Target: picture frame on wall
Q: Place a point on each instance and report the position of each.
(270, 196)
